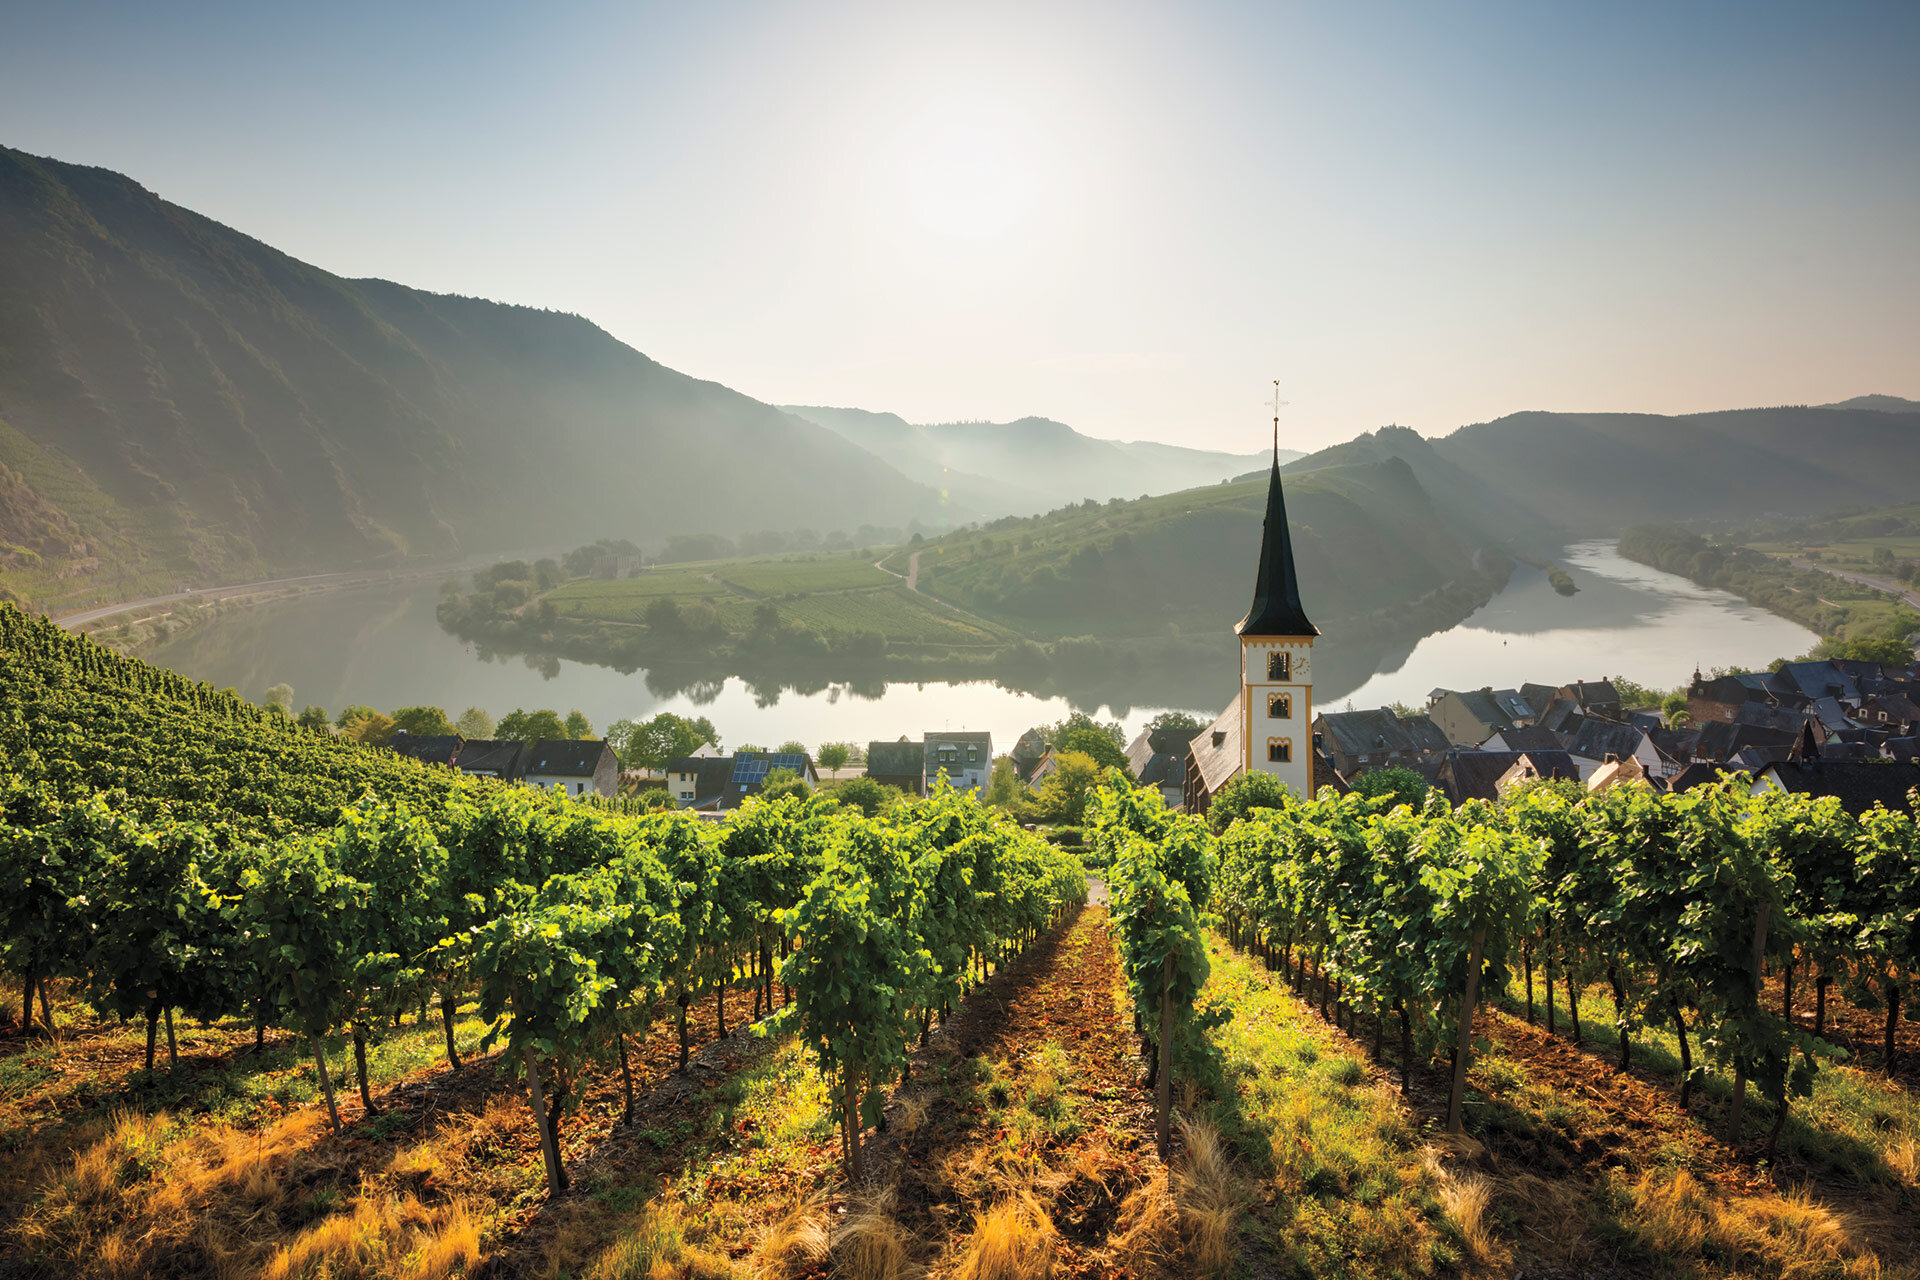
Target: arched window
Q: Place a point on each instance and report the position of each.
(1280, 706)
(1280, 750)
(1279, 665)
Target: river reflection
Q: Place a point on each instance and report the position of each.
(385, 649)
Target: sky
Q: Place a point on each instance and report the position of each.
(1132, 218)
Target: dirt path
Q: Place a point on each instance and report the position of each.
(1035, 1087)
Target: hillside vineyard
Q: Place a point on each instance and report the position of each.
(169, 847)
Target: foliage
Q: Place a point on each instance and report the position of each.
(475, 725)
(1245, 793)
(785, 782)
(531, 726)
(866, 795)
(279, 698)
(1393, 787)
(578, 726)
(663, 738)
(1063, 794)
(832, 755)
(370, 728)
(422, 722)
(1174, 720)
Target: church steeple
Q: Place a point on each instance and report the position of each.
(1276, 607)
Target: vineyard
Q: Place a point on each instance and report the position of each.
(284, 1005)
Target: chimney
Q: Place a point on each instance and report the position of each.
(1219, 736)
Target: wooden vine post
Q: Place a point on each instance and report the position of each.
(1163, 1087)
(1736, 1115)
(549, 1147)
(1464, 1049)
(320, 1068)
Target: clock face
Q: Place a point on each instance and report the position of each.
(1302, 668)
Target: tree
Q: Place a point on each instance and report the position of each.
(1888, 650)
(666, 736)
(474, 724)
(1674, 704)
(578, 726)
(279, 698)
(1396, 786)
(793, 747)
(531, 726)
(785, 782)
(422, 722)
(350, 713)
(1095, 742)
(832, 755)
(1062, 797)
(1250, 791)
(866, 795)
(1174, 720)
(314, 718)
(1005, 790)
(374, 728)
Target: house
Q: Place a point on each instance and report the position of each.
(1702, 774)
(1816, 680)
(1215, 757)
(1158, 758)
(1616, 771)
(1721, 740)
(1860, 785)
(965, 758)
(752, 768)
(1600, 740)
(1027, 752)
(901, 764)
(1471, 717)
(1531, 737)
(1595, 698)
(699, 781)
(1897, 711)
(1359, 741)
(576, 766)
(1475, 775)
(491, 759)
(441, 749)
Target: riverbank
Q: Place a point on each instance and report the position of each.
(1838, 608)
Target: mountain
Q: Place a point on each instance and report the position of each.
(1594, 474)
(1882, 404)
(181, 401)
(974, 462)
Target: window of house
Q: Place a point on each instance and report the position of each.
(579, 788)
(1280, 750)
(1280, 706)
(686, 795)
(1279, 665)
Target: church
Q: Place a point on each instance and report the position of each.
(1269, 724)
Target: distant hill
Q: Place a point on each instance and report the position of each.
(1366, 537)
(179, 401)
(1028, 466)
(1881, 404)
(1597, 473)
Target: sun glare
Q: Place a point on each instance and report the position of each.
(967, 169)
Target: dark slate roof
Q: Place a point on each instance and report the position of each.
(1563, 717)
(1832, 716)
(1475, 775)
(436, 749)
(1675, 744)
(1483, 706)
(1646, 721)
(1589, 693)
(1859, 784)
(1276, 607)
(1159, 756)
(1365, 733)
(896, 759)
(1907, 749)
(1030, 745)
(957, 743)
(710, 775)
(1699, 775)
(1821, 680)
(1597, 739)
(1539, 696)
(1528, 737)
(1326, 775)
(1514, 704)
(498, 759)
(1216, 749)
(1770, 716)
(560, 757)
(1721, 740)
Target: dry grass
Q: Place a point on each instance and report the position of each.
(869, 1244)
(1903, 1160)
(794, 1241)
(1791, 1236)
(655, 1248)
(1183, 1223)
(1465, 1197)
(1012, 1240)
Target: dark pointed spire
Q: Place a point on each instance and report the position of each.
(1276, 593)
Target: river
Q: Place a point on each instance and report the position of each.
(383, 648)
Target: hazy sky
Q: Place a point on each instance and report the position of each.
(1127, 217)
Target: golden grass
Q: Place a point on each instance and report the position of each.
(1464, 1196)
(792, 1242)
(868, 1244)
(1790, 1235)
(1012, 1240)
(655, 1248)
(1207, 1196)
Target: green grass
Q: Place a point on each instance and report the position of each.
(1353, 1195)
(789, 576)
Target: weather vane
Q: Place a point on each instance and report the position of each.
(1277, 405)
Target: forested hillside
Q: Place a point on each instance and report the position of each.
(182, 401)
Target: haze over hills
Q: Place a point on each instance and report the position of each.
(1030, 465)
(178, 396)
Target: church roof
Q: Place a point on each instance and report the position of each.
(1276, 607)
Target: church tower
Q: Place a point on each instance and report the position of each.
(1276, 656)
